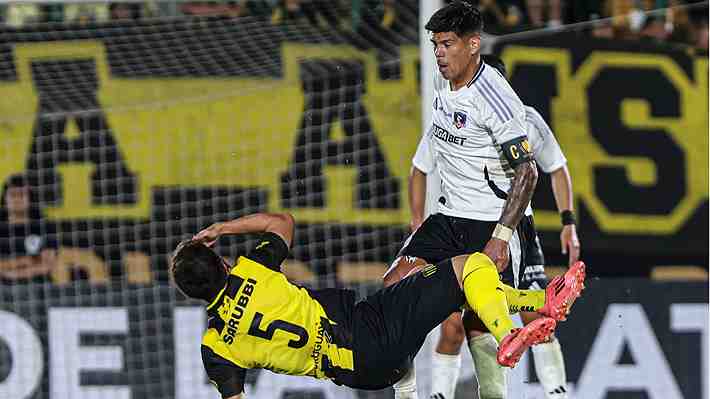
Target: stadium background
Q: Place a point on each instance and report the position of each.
(135, 133)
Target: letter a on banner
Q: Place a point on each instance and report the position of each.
(626, 325)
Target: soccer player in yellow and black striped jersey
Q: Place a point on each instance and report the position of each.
(258, 319)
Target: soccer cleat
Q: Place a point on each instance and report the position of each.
(513, 345)
(562, 291)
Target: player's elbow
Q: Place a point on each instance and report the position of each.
(416, 173)
(285, 219)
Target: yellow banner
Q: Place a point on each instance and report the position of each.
(241, 132)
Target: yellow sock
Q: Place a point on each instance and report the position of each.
(523, 300)
(485, 294)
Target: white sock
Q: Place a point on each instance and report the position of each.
(491, 375)
(406, 388)
(444, 375)
(550, 369)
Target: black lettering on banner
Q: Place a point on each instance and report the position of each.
(612, 184)
(69, 94)
(539, 96)
(268, 334)
(333, 92)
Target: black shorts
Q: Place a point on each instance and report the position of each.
(442, 237)
(390, 326)
(532, 270)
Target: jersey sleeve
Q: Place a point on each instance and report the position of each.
(503, 114)
(270, 251)
(424, 157)
(223, 374)
(546, 150)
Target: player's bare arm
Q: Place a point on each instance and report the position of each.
(281, 224)
(519, 196)
(240, 396)
(562, 190)
(417, 196)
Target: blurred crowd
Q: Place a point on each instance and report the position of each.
(674, 20)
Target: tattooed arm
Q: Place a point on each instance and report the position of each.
(519, 196)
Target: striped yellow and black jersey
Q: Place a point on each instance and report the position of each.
(261, 320)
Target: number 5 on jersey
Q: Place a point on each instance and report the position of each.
(268, 334)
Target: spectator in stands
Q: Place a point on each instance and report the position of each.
(119, 11)
(20, 14)
(28, 244)
(502, 16)
(230, 9)
(653, 30)
(321, 13)
(701, 35)
(85, 13)
(698, 21)
(543, 13)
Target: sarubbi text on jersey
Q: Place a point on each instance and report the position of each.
(238, 311)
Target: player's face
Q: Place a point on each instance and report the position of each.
(454, 54)
(17, 199)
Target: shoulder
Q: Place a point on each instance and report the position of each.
(270, 251)
(532, 115)
(496, 98)
(536, 122)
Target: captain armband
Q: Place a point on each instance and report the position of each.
(517, 151)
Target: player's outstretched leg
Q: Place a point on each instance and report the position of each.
(487, 298)
(555, 301)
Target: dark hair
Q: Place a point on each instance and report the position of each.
(459, 17)
(197, 270)
(495, 62)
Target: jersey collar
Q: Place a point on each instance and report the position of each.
(478, 73)
(216, 299)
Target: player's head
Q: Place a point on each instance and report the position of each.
(198, 271)
(495, 62)
(456, 36)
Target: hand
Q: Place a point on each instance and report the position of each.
(209, 235)
(497, 250)
(570, 242)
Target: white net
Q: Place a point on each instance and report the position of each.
(121, 138)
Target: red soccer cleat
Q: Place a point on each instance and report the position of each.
(562, 291)
(520, 339)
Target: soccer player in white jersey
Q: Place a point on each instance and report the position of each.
(549, 362)
(478, 144)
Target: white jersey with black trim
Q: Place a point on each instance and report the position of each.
(464, 141)
(545, 148)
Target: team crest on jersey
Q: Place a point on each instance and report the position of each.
(459, 119)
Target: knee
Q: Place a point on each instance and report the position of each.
(401, 268)
(452, 332)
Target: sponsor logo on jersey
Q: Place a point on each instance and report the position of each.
(459, 119)
(442, 134)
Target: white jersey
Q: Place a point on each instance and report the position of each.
(547, 152)
(464, 144)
